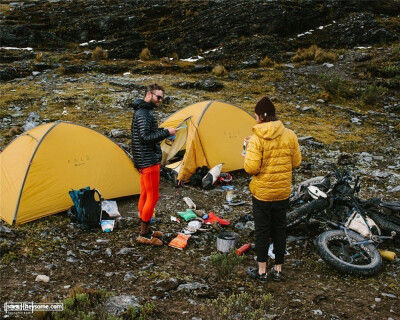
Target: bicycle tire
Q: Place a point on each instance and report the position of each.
(384, 224)
(393, 219)
(368, 264)
(295, 216)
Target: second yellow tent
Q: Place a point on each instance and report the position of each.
(212, 133)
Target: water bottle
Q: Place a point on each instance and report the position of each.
(243, 249)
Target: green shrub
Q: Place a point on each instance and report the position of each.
(8, 257)
(144, 312)
(393, 83)
(242, 306)
(335, 86)
(145, 54)
(332, 85)
(372, 93)
(390, 71)
(396, 52)
(225, 263)
(82, 303)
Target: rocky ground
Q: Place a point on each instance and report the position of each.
(342, 100)
(185, 283)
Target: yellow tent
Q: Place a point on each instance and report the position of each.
(212, 133)
(39, 167)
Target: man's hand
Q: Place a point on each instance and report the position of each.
(172, 131)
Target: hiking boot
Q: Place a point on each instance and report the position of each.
(276, 275)
(253, 272)
(151, 241)
(157, 234)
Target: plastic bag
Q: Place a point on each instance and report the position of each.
(111, 208)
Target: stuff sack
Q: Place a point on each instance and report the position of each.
(87, 207)
(197, 177)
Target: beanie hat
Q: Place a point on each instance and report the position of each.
(265, 109)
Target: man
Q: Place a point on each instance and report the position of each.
(146, 138)
(272, 153)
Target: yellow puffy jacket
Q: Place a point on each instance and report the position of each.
(272, 152)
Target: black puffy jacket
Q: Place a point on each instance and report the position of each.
(146, 135)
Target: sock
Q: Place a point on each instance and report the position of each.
(145, 229)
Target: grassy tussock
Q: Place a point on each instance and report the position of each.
(314, 53)
(99, 54)
(145, 54)
(60, 70)
(219, 71)
(39, 57)
(267, 62)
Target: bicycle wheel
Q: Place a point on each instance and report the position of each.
(362, 259)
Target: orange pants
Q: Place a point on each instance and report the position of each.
(149, 191)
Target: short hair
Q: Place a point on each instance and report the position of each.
(154, 86)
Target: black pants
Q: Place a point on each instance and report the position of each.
(270, 221)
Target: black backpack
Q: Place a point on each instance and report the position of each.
(197, 177)
(87, 209)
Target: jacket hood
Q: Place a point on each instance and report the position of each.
(269, 130)
(140, 103)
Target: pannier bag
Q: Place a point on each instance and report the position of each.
(87, 205)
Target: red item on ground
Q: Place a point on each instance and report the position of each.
(180, 241)
(213, 218)
(243, 249)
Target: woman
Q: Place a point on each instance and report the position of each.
(272, 153)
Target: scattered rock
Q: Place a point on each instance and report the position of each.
(125, 251)
(130, 277)
(119, 304)
(188, 287)
(72, 260)
(389, 295)
(6, 232)
(207, 85)
(32, 121)
(239, 226)
(317, 312)
(395, 189)
(42, 278)
(356, 120)
(117, 133)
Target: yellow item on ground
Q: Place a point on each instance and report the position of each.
(387, 255)
(40, 167)
(212, 133)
